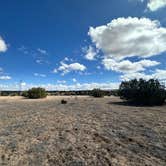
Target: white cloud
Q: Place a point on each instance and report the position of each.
(3, 75)
(127, 66)
(24, 49)
(42, 51)
(66, 68)
(157, 74)
(1, 70)
(42, 61)
(23, 83)
(90, 53)
(74, 80)
(128, 37)
(123, 38)
(137, 75)
(39, 75)
(5, 78)
(154, 5)
(98, 67)
(39, 61)
(160, 74)
(66, 59)
(3, 46)
(61, 82)
(39, 54)
(55, 71)
(85, 86)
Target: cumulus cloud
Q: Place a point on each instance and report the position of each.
(135, 75)
(66, 68)
(3, 46)
(5, 78)
(124, 38)
(127, 66)
(90, 53)
(154, 5)
(159, 74)
(128, 37)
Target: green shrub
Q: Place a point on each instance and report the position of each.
(97, 93)
(14, 94)
(5, 93)
(24, 94)
(143, 92)
(115, 92)
(36, 93)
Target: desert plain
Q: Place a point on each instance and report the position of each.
(86, 131)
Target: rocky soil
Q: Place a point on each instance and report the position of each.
(85, 131)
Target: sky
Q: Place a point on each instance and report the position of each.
(81, 44)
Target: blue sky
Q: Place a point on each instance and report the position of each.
(81, 44)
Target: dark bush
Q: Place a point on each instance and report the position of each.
(143, 92)
(36, 93)
(97, 93)
(63, 101)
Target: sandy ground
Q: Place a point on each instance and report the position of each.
(85, 131)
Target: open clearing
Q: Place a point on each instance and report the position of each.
(85, 131)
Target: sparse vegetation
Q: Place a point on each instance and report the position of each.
(36, 93)
(57, 93)
(143, 92)
(5, 93)
(97, 93)
(25, 94)
(123, 134)
(14, 94)
(115, 92)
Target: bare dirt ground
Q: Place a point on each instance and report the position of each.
(86, 131)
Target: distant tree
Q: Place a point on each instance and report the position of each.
(115, 92)
(143, 92)
(5, 93)
(36, 93)
(25, 94)
(97, 93)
